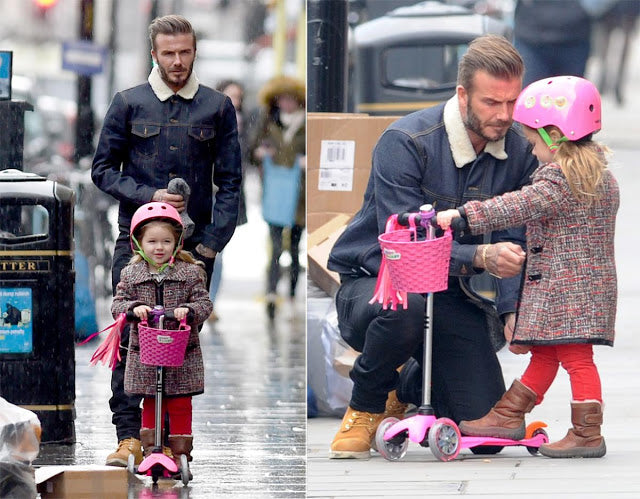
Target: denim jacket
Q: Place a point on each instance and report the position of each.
(151, 135)
(427, 157)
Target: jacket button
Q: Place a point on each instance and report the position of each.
(173, 120)
(537, 249)
(534, 277)
(173, 148)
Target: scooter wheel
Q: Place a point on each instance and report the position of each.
(535, 450)
(394, 448)
(444, 439)
(131, 464)
(185, 475)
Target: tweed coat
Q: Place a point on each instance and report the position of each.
(570, 289)
(184, 286)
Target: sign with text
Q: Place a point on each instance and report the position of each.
(16, 324)
(83, 57)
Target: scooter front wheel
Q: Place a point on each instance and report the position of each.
(396, 447)
(131, 463)
(444, 439)
(185, 475)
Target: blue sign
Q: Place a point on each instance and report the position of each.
(83, 57)
(6, 58)
(16, 321)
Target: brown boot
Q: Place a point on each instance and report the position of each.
(506, 418)
(126, 447)
(584, 439)
(181, 444)
(148, 439)
(354, 438)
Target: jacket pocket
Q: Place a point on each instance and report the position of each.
(145, 139)
(201, 143)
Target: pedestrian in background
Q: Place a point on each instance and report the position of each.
(618, 20)
(235, 91)
(281, 137)
(553, 37)
(570, 291)
(168, 127)
(465, 148)
(162, 273)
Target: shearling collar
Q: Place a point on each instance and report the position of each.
(163, 92)
(461, 147)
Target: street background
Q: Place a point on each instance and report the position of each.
(514, 472)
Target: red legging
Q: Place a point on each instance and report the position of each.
(179, 409)
(576, 359)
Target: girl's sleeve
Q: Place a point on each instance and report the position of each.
(124, 300)
(546, 197)
(199, 300)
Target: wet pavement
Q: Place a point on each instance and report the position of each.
(250, 424)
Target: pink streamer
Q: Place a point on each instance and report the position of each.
(108, 353)
(385, 294)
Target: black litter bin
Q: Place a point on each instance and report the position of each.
(37, 362)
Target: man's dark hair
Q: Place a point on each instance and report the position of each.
(493, 54)
(170, 25)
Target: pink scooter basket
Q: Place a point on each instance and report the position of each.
(163, 347)
(416, 266)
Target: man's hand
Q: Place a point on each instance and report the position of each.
(201, 249)
(175, 200)
(503, 259)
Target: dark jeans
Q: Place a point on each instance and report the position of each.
(275, 233)
(126, 411)
(466, 378)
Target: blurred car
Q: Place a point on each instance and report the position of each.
(408, 59)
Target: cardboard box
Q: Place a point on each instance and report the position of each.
(320, 243)
(339, 148)
(82, 482)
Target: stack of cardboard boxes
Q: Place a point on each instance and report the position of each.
(339, 148)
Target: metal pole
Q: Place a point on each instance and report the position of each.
(84, 120)
(327, 46)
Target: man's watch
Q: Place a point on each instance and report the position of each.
(206, 252)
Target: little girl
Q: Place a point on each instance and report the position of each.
(569, 294)
(161, 273)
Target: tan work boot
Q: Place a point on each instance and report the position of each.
(506, 418)
(354, 438)
(394, 408)
(126, 447)
(584, 439)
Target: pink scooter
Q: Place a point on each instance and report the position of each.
(161, 347)
(441, 435)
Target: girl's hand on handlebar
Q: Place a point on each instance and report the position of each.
(445, 217)
(180, 313)
(141, 312)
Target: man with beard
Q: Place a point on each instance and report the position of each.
(170, 127)
(463, 149)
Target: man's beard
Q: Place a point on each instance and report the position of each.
(165, 76)
(473, 123)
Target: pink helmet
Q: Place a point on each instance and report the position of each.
(568, 102)
(151, 211)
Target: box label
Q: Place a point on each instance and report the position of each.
(16, 324)
(337, 159)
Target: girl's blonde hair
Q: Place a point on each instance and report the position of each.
(182, 254)
(583, 163)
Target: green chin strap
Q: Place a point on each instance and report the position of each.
(553, 146)
(150, 261)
